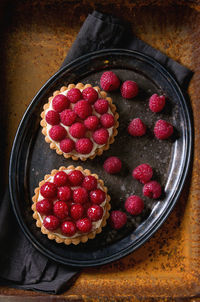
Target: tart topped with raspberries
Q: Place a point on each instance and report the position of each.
(79, 121)
(71, 205)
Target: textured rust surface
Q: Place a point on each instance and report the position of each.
(36, 37)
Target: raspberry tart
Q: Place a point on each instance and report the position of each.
(79, 121)
(71, 205)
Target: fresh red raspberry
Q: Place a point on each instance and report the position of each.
(64, 193)
(51, 222)
(152, 189)
(83, 109)
(134, 205)
(60, 179)
(67, 145)
(84, 145)
(75, 178)
(109, 81)
(76, 211)
(44, 206)
(91, 122)
(77, 130)
(68, 228)
(117, 219)
(89, 183)
(90, 95)
(84, 225)
(100, 136)
(112, 165)
(68, 117)
(95, 212)
(143, 173)
(60, 209)
(60, 103)
(156, 102)
(129, 89)
(57, 133)
(48, 190)
(163, 129)
(97, 196)
(101, 106)
(80, 195)
(136, 127)
(74, 95)
(52, 117)
(107, 120)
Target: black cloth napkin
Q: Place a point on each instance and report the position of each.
(21, 265)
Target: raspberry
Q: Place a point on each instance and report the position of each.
(51, 222)
(68, 117)
(84, 225)
(57, 133)
(97, 196)
(74, 95)
(52, 117)
(60, 102)
(44, 206)
(163, 129)
(67, 145)
(143, 173)
(89, 183)
(90, 95)
(129, 89)
(101, 136)
(80, 195)
(48, 190)
(109, 81)
(118, 219)
(156, 102)
(101, 106)
(152, 189)
(68, 228)
(112, 165)
(64, 193)
(84, 146)
(136, 127)
(60, 209)
(77, 130)
(107, 120)
(83, 109)
(91, 122)
(95, 212)
(60, 179)
(134, 205)
(76, 211)
(76, 178)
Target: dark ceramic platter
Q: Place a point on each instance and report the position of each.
(32, 158)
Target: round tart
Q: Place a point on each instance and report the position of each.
(79, 121)
(71, 205)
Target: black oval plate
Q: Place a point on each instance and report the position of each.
(31, 157)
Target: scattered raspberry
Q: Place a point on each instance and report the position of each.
(143, 173)
(83, 109)
(60, 209)
(77, 130)
(118, 219)
(134, 205)
(44, 206)
(74, 95)
(163, 129)
(89, 183)
(101, 136)
(112, 165)
(80, 195)
(60, 179)
(152, 189)
(84, 225)
(136, 127)
(107, 120)
(68, 117)
(57, 133)
(90, 95)
(51, 222)
(67, 145)
(91, 122)
(84, 146)
(95, 212)
(129, 89)
(64, 193)
(48, 190)
(76, 177)
(156, 102)
(68, 228)
(52, 117)
(76, 211)
(97, 196)
(101, 106)
(60, 103)
(109, 81)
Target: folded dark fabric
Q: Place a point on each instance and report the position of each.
(21, 265)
